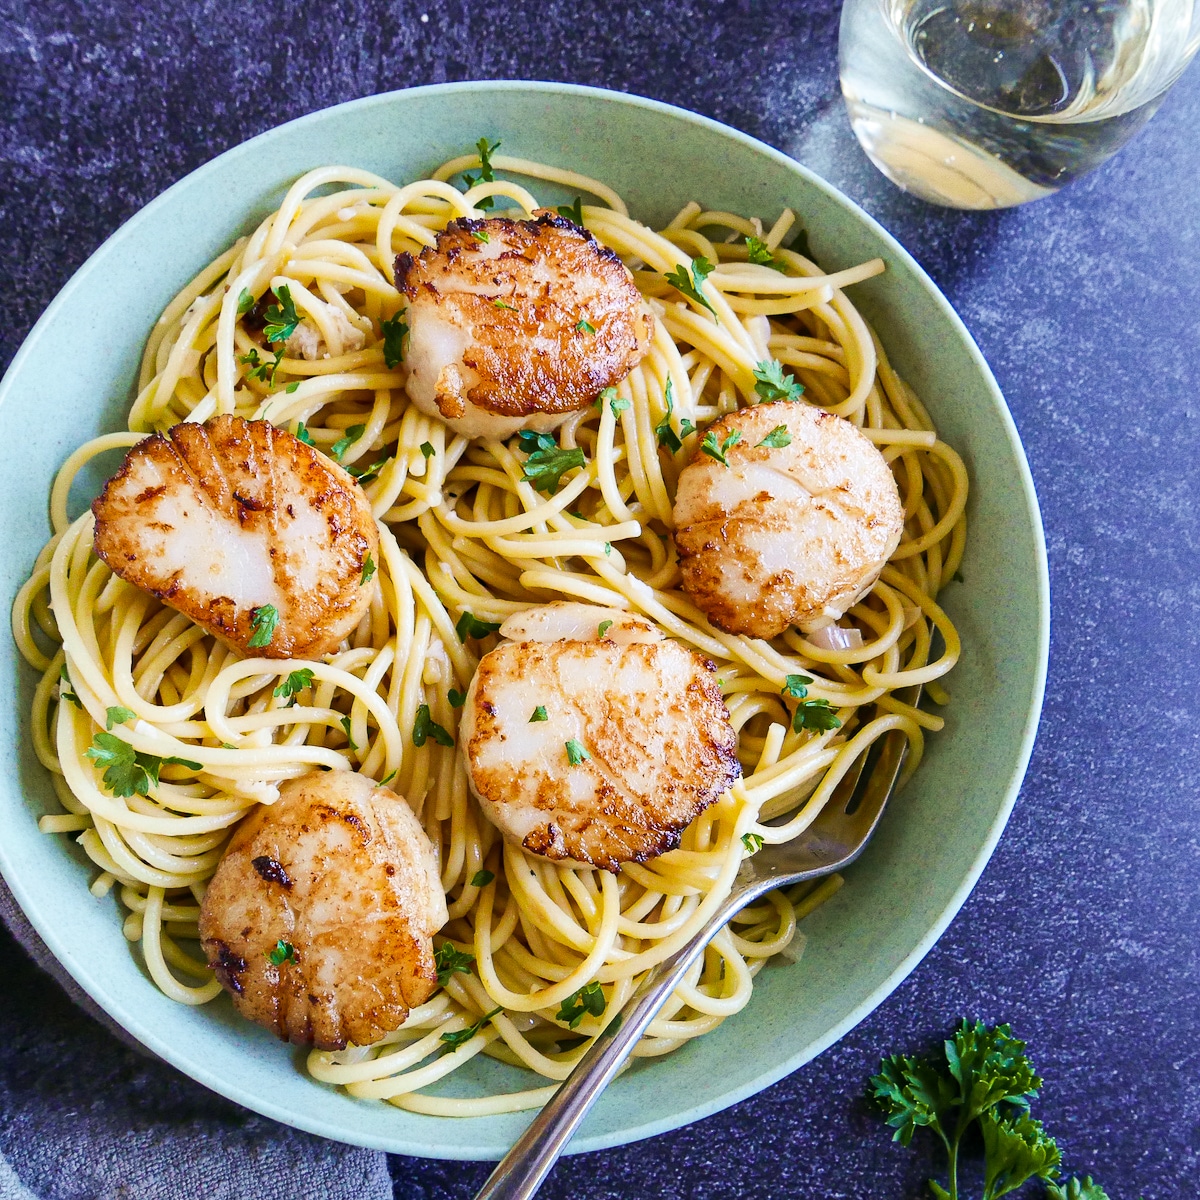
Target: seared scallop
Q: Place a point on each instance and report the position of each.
(794, 530)
(516, 324)
(593, 748)
(319, 919)
(245, 529)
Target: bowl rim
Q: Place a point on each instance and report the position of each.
(583, 1142)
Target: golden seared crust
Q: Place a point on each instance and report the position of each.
(649, 714)
(220, 519)
(792, 535)
(340, 870)
(512, 306)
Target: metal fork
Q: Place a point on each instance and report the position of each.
(835, 838)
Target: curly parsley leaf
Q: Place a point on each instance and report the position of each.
(796, 686)
(589, 999)
(294, 684)
(753, 842)
(576, 752)
(1015, 1149)
(426, 727)
(777, 438)
(539, 714)
(714, 449)
(818, 716)
(691, 283)
(345, 441)
(1076, 1189)
(394, 332)
(470, 626)
(757, 251)
(264, 620)
(64, 690)
(281, 318)
(547, 463)
(117, 715)
(773, 384)
(462, 1036)
(449, 960)
(573, 212)
(283, 952)
(482, 878)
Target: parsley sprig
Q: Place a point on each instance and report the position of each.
(690, 283)
(665, 432)
(426, 727)
(773, 384)
(589, 999)
(294, 684)
(757, 251)
(264, 620)
(394, 332)
(460, 1037)
(486, 174)
(714, 449)
(449, 960)
(815, 715)
(281, 318)
(985, 1078)
(129, 772)
(547, 462)
(470, 626)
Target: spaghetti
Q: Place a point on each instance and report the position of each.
(558, 949)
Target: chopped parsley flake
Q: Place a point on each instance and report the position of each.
(618, 404)
(457, 698)
(117, 715)
(394, 332)
(816, 715)
(710, 446)
(462, 1036)
(295, 683)
(576, 752)
(427, 449)
(663, 430)
(573, 212)
(773, 384)
(291, 387)
(260, 368)
(344, 442)
(283, 952)
(796, 686)
(303, 435)
(498, 303)
(245, 302)
(470, 626)
(368, 571)
(690, 284)
(449, 961)
(425, 727)
(547, 462)
(759, 252)
(589, 999)
(482, 878)
(64, 690)
(753, 842)
(346, 728)
(585, 326)
(480, 236)
(604, 627)
(539, 714)
(264, 620)
(777, 438)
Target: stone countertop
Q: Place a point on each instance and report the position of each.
(1084, 931)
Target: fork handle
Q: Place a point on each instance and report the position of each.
(521, 1171)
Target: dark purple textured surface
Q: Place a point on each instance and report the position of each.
(1084, 930)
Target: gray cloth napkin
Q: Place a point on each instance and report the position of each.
(83, 1117)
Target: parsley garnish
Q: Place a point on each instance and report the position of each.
(427, 449)
(573, 212)
(759, 252)
(449, 961)
(773, 384)
(576, 752)
(283, 952)
(457, 698)
(777, 438)
(482, 878)
(245, 302)
(984, 1077)
(618, 404)
(343, 443)
(589, 999)
(346, 728)
(128, 772)
(753, 842)
(585, 326)
(470, 626)
(264, 620)
(497, 303)
(281, 318)
(690, 285)
(388, 778)
(666, 435)
(259, 367)
(539, 714)
(117, 715)
(486, 175)
(547, 463)
(368, 571)
(604, 627)
(480, 236)
(795, 686)
(364, 474)
(425, 727)
(816, 715)
(295, 683)
(394, 331)
(291, 387)
(303, 435)
(462, 1036)
(64, 691)
(710, 446)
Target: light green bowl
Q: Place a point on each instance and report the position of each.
(73, 377)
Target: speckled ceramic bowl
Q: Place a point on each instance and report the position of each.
(907, 886)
